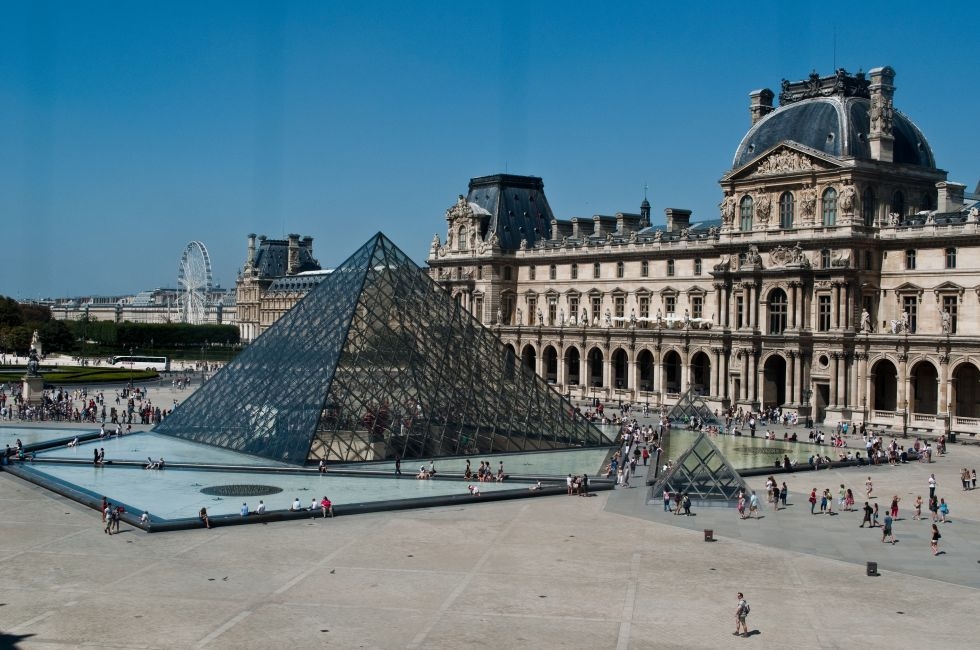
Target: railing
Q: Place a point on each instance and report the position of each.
(883, 415)
(923, 418)
(966, 422)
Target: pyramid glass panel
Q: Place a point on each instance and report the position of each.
(378, 361)
(703, 473)
(691, 405)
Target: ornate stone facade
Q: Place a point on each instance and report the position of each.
(765, 306)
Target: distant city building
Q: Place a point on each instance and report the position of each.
(151, 306)
(839, 281)
(276, 275)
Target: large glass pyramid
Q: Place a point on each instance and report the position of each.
(704, 474)
(378, 361)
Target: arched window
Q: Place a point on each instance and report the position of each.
(829, 207)
(777, 311)
(868, 207)
(786, 210)
(745, 214)
(898, 204)
(461, 240)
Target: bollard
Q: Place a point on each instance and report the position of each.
(709, 535)
(872, 569)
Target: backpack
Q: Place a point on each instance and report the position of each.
(745, 608)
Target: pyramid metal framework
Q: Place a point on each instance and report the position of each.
(377, 362)
(689, 405)
(703, 473)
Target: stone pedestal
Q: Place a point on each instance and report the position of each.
(32, 389)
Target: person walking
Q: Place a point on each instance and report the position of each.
(741, 613)
(894, 508)
(918, 507)
(973, 479)
(943, 510)
(741, 505)
(932, 485)
(935, 539)
(868, 487)
(783, 493)
(934, 508)
(886, 532)
(867, 516)
(753, 505)
(874, 516)
(813, 501)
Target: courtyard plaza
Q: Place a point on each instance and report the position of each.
(611, 571)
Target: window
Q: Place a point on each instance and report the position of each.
(829, 207)
(552, 272)
(869, 261)
(461, 242)
(697, 266)
(478, 308)
(950, 258)
(507, 273)
(620, 269)
(739, 311)
(596, 308)
(697, 306)
(644, 269)
(531, 272)
(670, 305)
(825, 259)
(596, 270)
(786, 210)
(644, 311)
(909, 304)
(898, 204)
(532, 311)
(868, 207)
(573, 307)
(575, 271)
(745, 214)
(910, 259)
(619, 305)
(949, 307)
(552, 311)
(777, 311)
(670, 268)
(479, 272)
(823, 313)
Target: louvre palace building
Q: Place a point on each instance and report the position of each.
(840, 279)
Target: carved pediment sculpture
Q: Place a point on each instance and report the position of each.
(841, 259)
(786, 161)
(752, 257)
(460, 209)
(780, 256)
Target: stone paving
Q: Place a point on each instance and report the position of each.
(610, 571)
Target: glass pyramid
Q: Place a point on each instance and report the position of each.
(378, 361)
(703, 473)
(689, 405)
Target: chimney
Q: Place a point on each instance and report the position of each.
(950, 196)
(575, 229)
(292, 261)
(251, 250)
(677, 219)
(761, 104)
(880, 135)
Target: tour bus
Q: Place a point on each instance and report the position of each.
(159, 364)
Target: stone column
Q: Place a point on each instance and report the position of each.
(716, 376)
(944, 392)
(753, 369)
(633, 375)
(842, 384)
(744, 389)
(792, 305)
(754, 292)
(833, 378)
(835, 319)
(717, 314)
(725, 299)
(902, 380)
(686, 369)
(801, 296)
(848, 317)
(793, 383)
(562, 370)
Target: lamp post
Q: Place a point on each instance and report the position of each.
(807, 394)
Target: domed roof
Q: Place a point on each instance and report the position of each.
(835, 125)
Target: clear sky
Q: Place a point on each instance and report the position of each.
(128, 129)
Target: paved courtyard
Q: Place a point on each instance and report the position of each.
(609, 571)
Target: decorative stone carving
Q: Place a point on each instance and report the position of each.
(808, 203)
(727, 207)
(973, 214)
(785, 161)
(841, 259)
(847, 199)
(865, 321)
(894, 218)
(724, 264)
(946, 322)
(523, 244)
(763, 206)
(881, 115)
(752, 257)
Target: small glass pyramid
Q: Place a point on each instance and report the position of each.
(689, 405)
(704, 474)
(378, 361)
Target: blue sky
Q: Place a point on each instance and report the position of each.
(129, 129)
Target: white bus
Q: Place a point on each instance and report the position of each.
(159, 364)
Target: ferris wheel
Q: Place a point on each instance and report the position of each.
(194, 282)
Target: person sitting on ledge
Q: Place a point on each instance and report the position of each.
(204, 517)
(326, 506)
(537, 486)
(297, 506)
(260, 509)
(423, 474)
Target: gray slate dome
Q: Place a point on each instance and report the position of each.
(838, 126)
